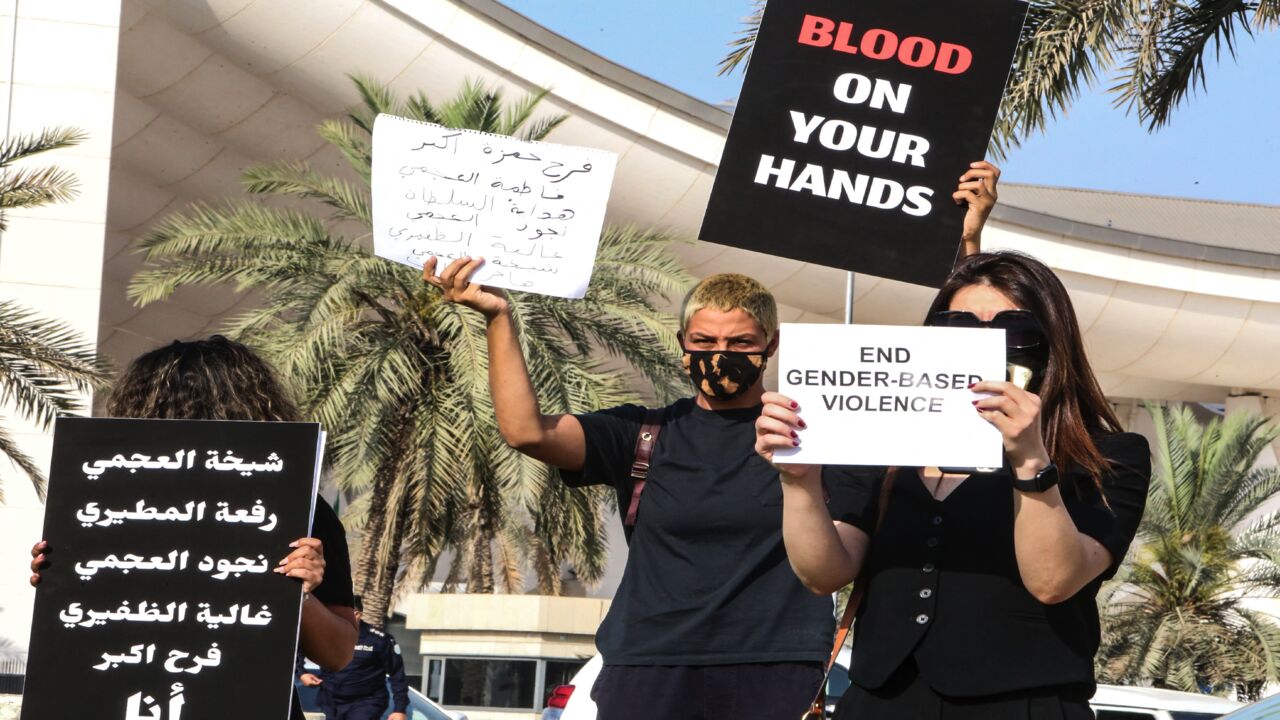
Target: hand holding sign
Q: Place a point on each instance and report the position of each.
(1016, 414)
(455, 282)
(881, 395)
(852, 124)
(533, 209)
(778, 429)
(977, 190)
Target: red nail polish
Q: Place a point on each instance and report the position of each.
(975, 402)
(971, 385)
(794, 436)
(795, 443)
(803, 424)
(795, 405)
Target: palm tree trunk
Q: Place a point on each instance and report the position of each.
(480, 577)
(377, 600)
(375, 523)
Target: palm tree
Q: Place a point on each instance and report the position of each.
(1155, 50)
(399, 376)
(46, 367)
(28, 187)
(1178, 615)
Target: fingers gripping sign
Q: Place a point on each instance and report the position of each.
(39, 561)
(1016, 414)
(455, 282)
(778, 428)
(305, 563)
(977, 189)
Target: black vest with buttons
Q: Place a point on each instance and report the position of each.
(945, 591)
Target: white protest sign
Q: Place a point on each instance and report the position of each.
(533, 210)
(890, 395)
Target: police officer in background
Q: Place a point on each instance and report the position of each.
(359, 691)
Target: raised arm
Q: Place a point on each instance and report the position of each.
(825, 554)
(977, 189)
(554, 439)
(1055, 559)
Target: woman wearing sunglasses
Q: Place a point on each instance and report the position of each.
(981, 583)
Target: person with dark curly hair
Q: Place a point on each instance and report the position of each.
(220, 379)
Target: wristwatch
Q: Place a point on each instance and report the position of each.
(1045, 479)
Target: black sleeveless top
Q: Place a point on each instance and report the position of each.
(945, 589)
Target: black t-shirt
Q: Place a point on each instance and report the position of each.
(707, 581)
(336, 588)
(945, 589)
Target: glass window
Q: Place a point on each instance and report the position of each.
(489, 683)
(561, 672)
(433, 686)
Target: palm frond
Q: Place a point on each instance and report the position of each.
(740, 47)
(298, 179)
(1168, 61)
(20, 147)
(46, 366)
(33, 187)
(9, 448)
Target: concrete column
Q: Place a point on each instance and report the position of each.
(57, 67)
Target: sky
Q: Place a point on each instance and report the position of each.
(1221, 145)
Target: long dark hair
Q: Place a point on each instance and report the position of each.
(212, 379)
(1073, 407)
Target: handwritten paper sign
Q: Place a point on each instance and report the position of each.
(855, 123)
(160, 603)
(533, 210)
(890, 395)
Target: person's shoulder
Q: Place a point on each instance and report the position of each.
(637, 414)
(628, 411)
(325, 516)
(1125, 448)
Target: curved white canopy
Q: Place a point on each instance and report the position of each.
(1171, 308)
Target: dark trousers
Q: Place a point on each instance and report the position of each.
(908, 695)
(366, 709)
(758, 691)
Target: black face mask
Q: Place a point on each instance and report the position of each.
(723, 374)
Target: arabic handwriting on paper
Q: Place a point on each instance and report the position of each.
(450, 194)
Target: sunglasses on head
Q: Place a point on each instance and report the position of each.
(1021, 328)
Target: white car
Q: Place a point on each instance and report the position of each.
(1111, 702)
(573, 701)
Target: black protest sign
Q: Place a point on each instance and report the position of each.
(160, 602)
(855, 123)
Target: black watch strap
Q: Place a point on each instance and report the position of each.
(1045, 479)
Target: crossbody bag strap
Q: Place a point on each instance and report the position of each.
(645, 442)
(817, 708)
